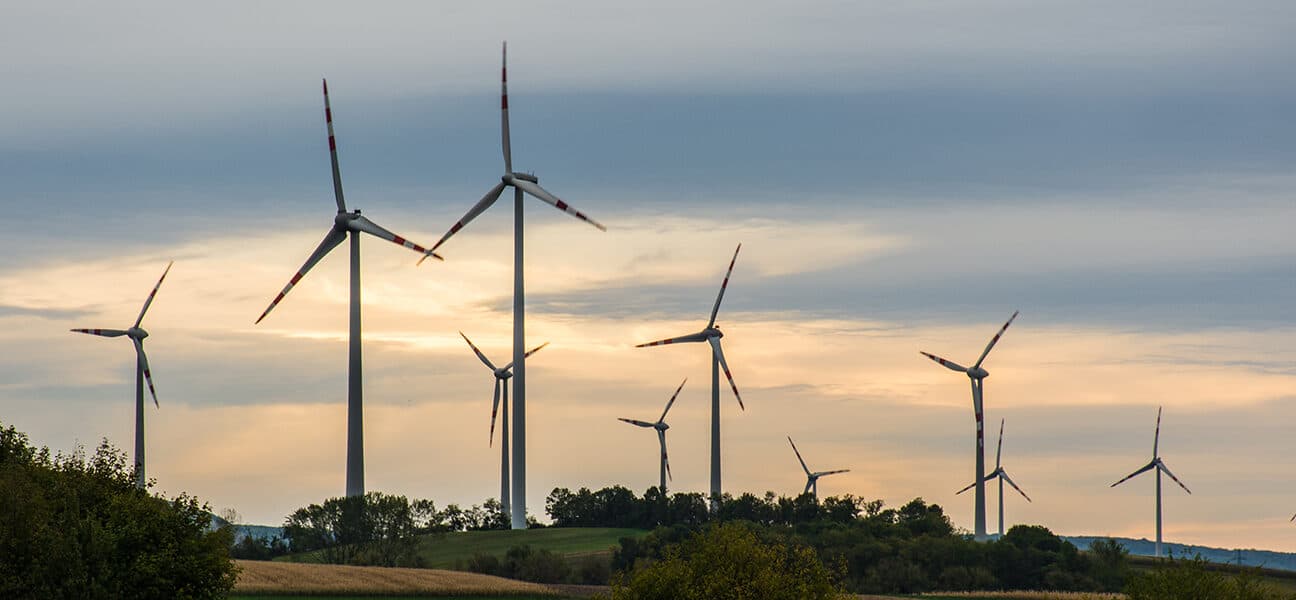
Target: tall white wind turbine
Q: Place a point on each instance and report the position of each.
(142, 374)
(1002, 475)
(812, 477)
(348, 225)
(1160, 468)
(977, 375)
(521, 183)
(661, 427)
(502, 375)
(712, 334)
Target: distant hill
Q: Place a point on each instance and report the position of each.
(1269, 559)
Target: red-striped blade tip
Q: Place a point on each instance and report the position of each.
(325, 86)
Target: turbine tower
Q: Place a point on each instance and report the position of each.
(348, 225)
(502, 375)
(812, 478)
(712, 334)
(1160, 468)
(530, 184)
(661, 428)
(1002, 475)
(978, 375)
(142, 374)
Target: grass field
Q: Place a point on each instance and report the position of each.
(447, 550)
(389, 597)
(271, 579)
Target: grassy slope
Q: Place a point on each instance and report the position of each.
(443, 551)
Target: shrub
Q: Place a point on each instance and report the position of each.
(728, 561)
(1193, 579)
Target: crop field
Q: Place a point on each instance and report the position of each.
(262, 579)
(1023, 595)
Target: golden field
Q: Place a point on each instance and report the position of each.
(259, 577)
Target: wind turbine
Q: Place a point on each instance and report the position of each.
(977, 375)
(1002, 475)
(502, 375)
(348, 224)
(530, 184)
(661, 428)
(812, 478)
(1160, 468)
(712, 334)
(142, 374)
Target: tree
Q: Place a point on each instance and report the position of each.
(73, 526)
(728, 561)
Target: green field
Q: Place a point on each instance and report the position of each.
(444, 551)
(246, 597)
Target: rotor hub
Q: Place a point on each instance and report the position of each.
(137, 333)
(977, 373)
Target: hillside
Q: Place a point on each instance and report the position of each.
(1284, 561)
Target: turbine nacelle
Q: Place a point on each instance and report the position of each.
(504, 373)
(137, 333)
(661, 426)
(977, 373)
(712, 332)
(509, 177)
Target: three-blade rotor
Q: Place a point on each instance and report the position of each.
(811, 476)
(711, 334)
(343, 224)
(661, 427)
(975, 371)
(525, 182)
(502, 374)
(137, 335)
(998, 472)
(1156, 462)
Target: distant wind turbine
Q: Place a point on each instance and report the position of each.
(348, 224)
(977, 375)
(712, 334)
(1160, 468)
(812, 478)
(528, 183)
(142, 374)
(1002, 475)
(502, 375)
(661, 427)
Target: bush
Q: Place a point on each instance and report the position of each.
(1194, 579)
(728, 561)
(78, 527)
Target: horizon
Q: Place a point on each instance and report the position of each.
(901, 178)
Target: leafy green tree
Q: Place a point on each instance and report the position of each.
(73, 526)
(728, 561)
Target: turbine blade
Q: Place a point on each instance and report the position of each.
(1005, 476)
(539, 192)
(335, 236)
(333, 157)
(1145, 469)
(719, 354)
(948, 364)
(999, 450)
(153, 293)
(672, 400)
(148, 375)
(374, 229)
(504, 120)
(692, 337)
(485, 361)
(1156, 440)
(477, 209)
(509, 367)
(970, 486)
(1166, 470)
(827, 473)
(716, 309)
(661, 435)
(636, 422)
(494, 407)
(995, 340)
(101, 332)
(798, 455)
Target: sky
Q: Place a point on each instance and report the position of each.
(902, 177)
